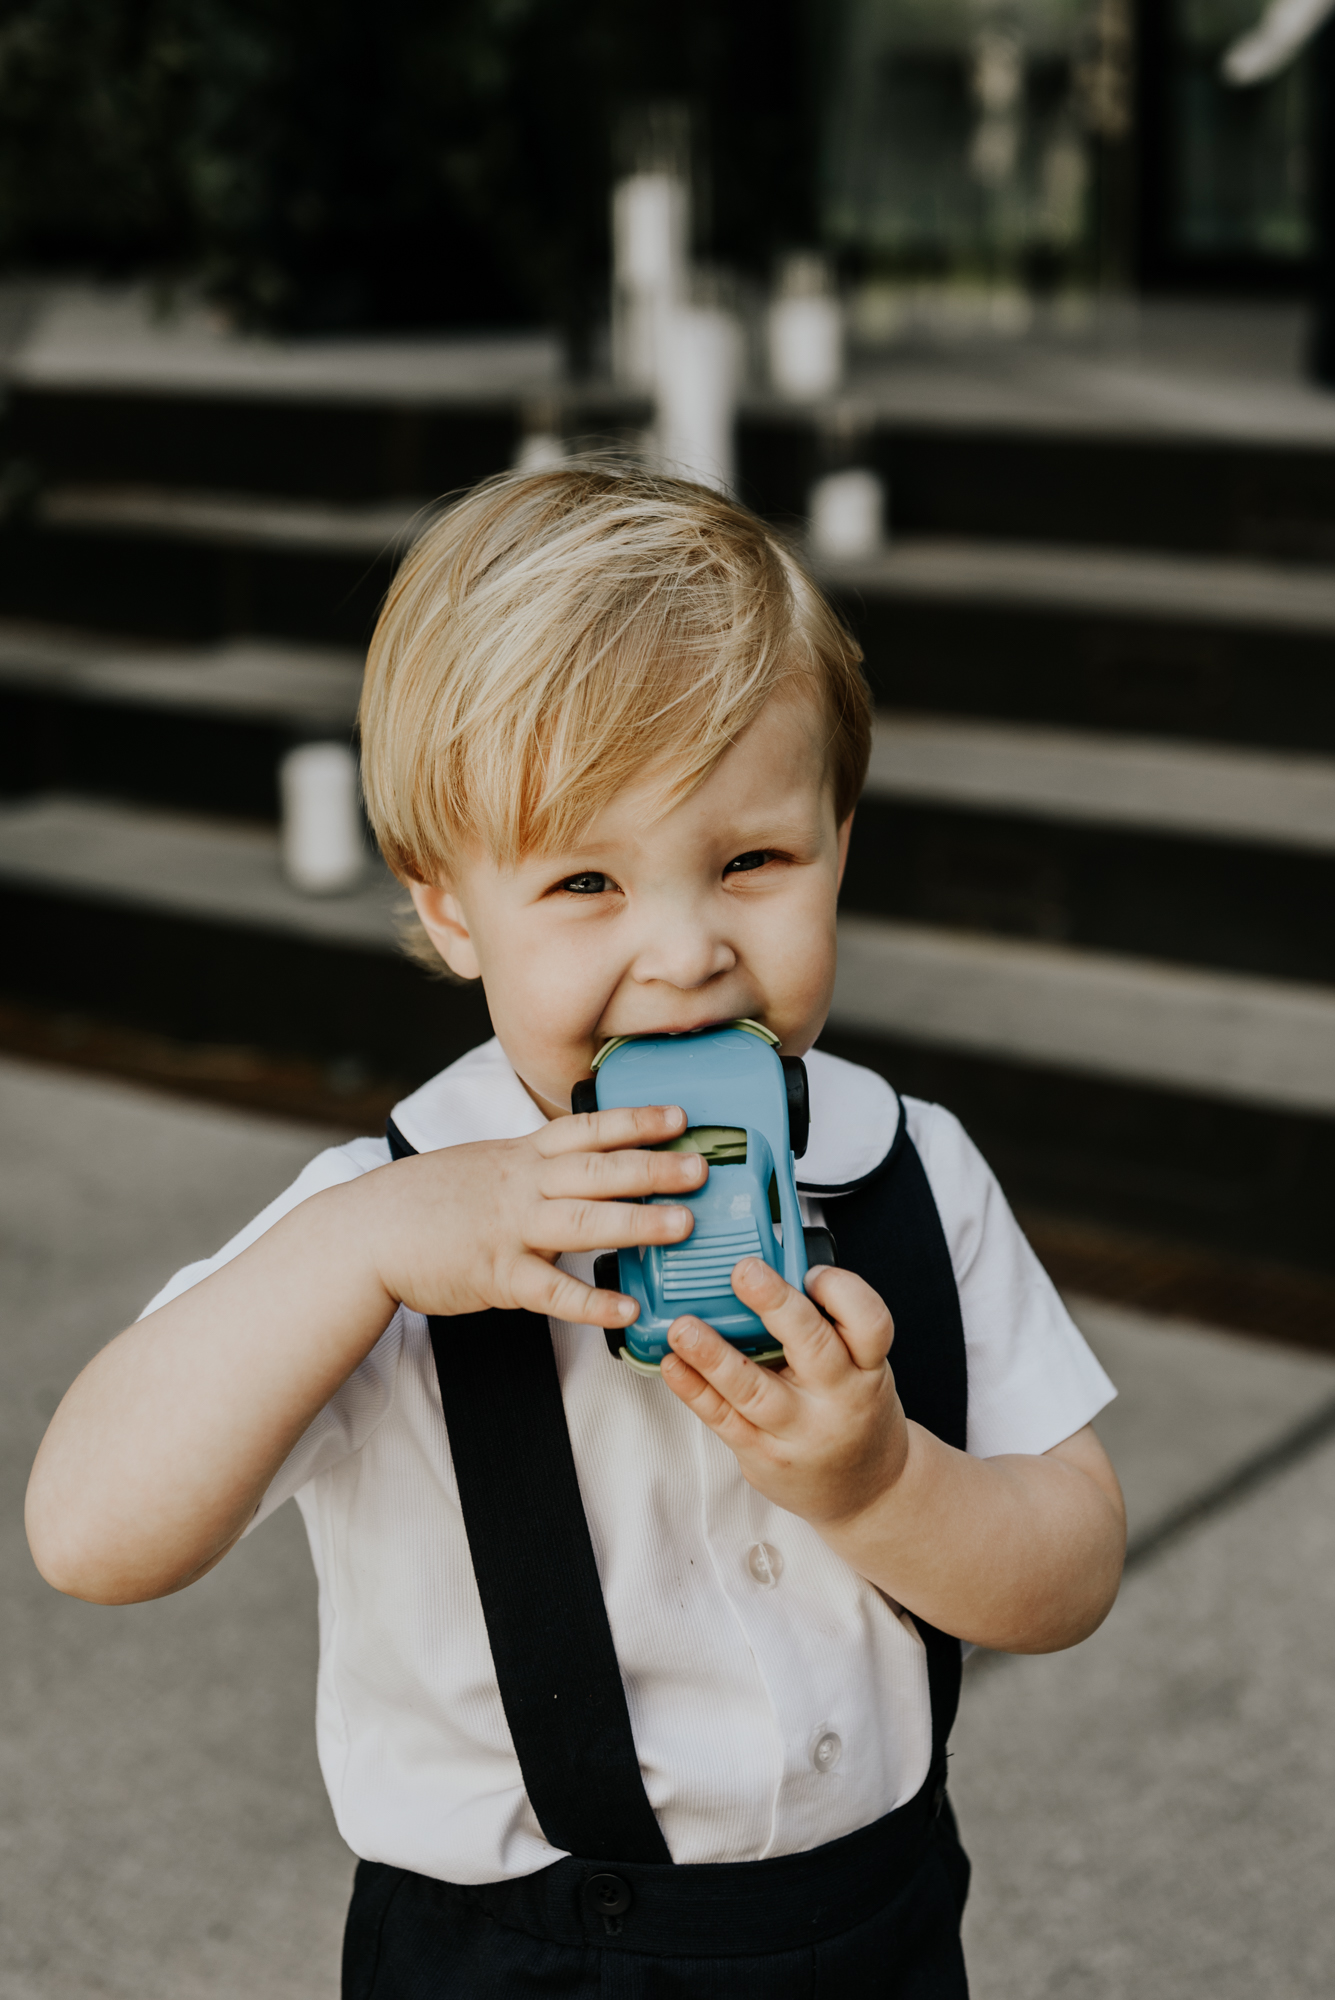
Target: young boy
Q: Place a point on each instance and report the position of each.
(627, 1684)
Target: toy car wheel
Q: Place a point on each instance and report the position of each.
(799, 1103)
(819, 1247)
(607, 1277)
(584, 1097)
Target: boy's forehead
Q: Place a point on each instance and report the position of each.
(782, 753)
(778, 778)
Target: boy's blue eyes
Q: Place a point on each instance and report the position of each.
(594, 884)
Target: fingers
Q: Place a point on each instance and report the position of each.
(812, 1348)
(726, 1391)
(861, 1314)
(605, 1131)
(540, 1287)
(554, 1226)
(622, 1176)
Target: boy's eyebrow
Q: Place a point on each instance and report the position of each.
(775, 828)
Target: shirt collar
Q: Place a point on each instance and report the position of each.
(854, 1114)
(854, 1118)
(478, 1097)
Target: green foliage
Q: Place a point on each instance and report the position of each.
(369, 163)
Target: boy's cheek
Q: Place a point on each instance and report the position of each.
(798, 987)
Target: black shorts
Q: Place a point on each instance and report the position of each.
(874, 1914)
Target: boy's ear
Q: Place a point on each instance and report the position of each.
(442, 918)
(845, 834)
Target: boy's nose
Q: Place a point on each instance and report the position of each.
(682, 953)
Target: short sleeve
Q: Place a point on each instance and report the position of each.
(332, 1168)
(1033, 1380)
(352, 1413)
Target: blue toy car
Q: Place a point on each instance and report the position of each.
(747, 1113)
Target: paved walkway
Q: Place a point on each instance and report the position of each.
(1152, 1816)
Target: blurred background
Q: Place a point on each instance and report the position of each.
(1019, 315)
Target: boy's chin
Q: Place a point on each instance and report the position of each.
(547, 1095)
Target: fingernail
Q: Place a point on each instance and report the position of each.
(687, 1334)
(625, 1307)
(679, 1218)
(747, 1269)
(675, 1115)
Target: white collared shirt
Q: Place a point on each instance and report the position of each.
(737, 1664)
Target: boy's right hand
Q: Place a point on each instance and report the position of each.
(163, 1448)
(481, 1225)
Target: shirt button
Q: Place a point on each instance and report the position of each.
(765, 1564)
(826, 1751)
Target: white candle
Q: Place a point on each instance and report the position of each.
(847, 512)
(323, 849)
(805, 329)
(651, 222)
(650, 226)
(806, 347)
(539, 451)
(699, 374)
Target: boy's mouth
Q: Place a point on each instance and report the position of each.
(688, 1027)
(682, 1027)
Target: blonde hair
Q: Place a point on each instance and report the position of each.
(557, 633)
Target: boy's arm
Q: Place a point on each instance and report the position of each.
(163, 1448)
(1019, 1554)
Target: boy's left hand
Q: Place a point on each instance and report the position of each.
(825, 1437)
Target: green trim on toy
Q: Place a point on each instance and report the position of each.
(656, 1367)
(641, 1367)
(720, 1145)
(757, 1028)
(751, 1028)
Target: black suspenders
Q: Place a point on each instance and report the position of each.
(889, 1232)
(551, 1643)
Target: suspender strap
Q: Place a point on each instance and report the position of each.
(551, 1643)
(889, 1232)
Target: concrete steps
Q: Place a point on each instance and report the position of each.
(199, 727)
(1117, 583)
(1086, 901)
(1206, 648)
(1174, 474)
(1198, 790)
(1189, 1089)
(185, 925)
(200, 566)
(1266, 1042)
(1200, 854)
(211, 871)
(1203, 854)
(340, 420)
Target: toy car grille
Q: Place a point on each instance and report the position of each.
(702, 1266)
